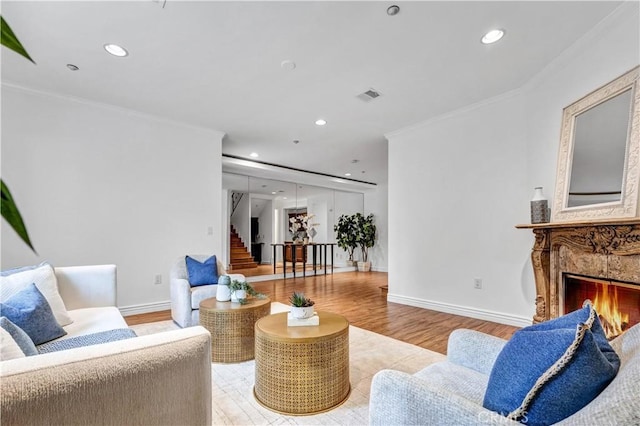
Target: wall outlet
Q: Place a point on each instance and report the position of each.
(210, 230)
(477, 283)
(158, 280)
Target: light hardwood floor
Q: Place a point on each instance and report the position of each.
(357, 296)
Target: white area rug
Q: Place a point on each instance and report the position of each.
(232, 384)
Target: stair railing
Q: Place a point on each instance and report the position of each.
(235, 200)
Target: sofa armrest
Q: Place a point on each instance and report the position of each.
(87, 286)
(473, 349)
(162, 379)
(398, 398)
(180, 292)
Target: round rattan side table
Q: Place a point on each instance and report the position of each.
(302, 370)
(232, 327)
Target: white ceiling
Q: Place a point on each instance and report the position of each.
(217, 65)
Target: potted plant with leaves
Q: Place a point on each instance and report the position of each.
(346, 235)
(240, 290)
(301, 306)
(366, 238)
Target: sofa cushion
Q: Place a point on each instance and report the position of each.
(29, 310)
(551, 370)
(198, 294)
(86, 340)
(44, 277)
(202, 273)
(460, 380)
(14, 342)
(94, 320)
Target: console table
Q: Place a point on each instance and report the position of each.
(292, 249)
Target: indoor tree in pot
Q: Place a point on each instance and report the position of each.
(346, 235)
(366, 238)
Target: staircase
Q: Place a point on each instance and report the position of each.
(240, 256)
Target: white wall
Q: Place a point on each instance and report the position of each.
(266, 231)
(97, 185)
(457, 187)
(607, 52)
(458, 184)
(376, 202)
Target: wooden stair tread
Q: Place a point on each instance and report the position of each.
(240, 256)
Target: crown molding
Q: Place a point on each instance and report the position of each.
(130, 112)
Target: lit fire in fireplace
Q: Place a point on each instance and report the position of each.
(605, 303)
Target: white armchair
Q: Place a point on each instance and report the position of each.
(185, 300)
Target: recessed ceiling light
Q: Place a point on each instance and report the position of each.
(116, 50)
(347, 174)
(253, 155)
(296, 141)
(492, 36)
(321, 122)
(72, 67)
(393, 10)
(273, 192)
(288, 65)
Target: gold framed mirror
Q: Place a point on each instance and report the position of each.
(598, 170)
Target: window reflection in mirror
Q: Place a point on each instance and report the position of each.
(600, 140)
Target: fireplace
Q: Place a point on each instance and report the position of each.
(617, 303)
(573, 261)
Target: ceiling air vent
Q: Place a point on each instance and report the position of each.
(369, 95)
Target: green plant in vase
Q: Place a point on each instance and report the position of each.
(301, 306)
(241, 289)
(347, 235)
(366, 238)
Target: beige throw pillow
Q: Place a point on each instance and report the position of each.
(44, 278)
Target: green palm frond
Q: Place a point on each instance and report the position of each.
(10, 40)
(12, 215)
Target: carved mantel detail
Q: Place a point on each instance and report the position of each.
(606, 239)
(608, 250)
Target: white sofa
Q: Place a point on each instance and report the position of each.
(163, 378)
(185, 300)
(451, 392)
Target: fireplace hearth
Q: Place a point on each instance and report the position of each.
(585, 256)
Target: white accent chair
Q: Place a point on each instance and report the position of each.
(185, 300)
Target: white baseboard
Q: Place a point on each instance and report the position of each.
(465, 311)
(145, 308)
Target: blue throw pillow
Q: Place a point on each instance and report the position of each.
(29, 310)
(551, 370)
(202, 273)
(21, 338)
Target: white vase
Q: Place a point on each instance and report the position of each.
(301, 312)
(539, 207)
(238, 295)
(223, 294)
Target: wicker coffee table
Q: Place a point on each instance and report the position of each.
(302, 370)
(232, 327)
